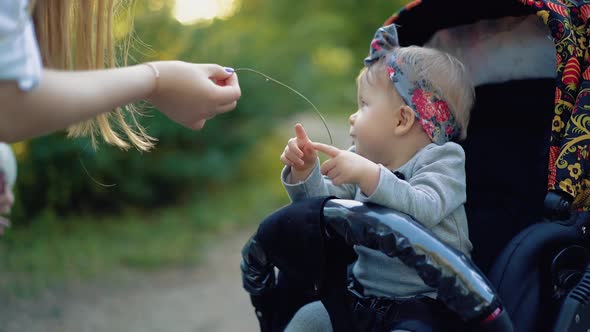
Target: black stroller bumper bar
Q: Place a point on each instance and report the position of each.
(459, 283)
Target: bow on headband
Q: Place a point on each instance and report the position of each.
(431, 110)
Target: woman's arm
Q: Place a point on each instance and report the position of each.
(184, 92)
(65, 98)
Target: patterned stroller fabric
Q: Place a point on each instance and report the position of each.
(569, 151)
(570, 130)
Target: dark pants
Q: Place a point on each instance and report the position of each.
(418, 314)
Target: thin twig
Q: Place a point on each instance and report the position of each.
(295, 91)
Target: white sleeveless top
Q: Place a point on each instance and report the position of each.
(20, 59)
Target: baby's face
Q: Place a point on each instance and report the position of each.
(372, 125)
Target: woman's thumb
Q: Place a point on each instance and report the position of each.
(218, 72)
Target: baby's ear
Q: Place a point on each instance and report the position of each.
(405, 119)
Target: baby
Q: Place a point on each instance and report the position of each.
(413, 105)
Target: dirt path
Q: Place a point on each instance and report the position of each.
(208, 298)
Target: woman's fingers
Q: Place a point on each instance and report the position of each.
(227, 107)
(224, 95)
(232, 81)
(216, 72)
(220, 109)
(226, 87)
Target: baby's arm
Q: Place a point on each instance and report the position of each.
(314, 185)
(436, 188)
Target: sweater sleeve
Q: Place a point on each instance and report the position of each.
(315, 185)
(436, 188)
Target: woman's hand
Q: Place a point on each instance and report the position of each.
(190, 94)
(300, 155)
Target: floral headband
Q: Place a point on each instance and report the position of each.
(430, 109)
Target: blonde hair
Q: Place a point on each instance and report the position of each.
(445, 73)
(78, 35)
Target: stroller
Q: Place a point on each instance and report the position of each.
(528, 185)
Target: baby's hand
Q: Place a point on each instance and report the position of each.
(348, 167)
(299, 152)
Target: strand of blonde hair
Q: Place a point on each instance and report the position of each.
(78, 35)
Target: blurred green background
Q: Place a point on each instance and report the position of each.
(82, 213)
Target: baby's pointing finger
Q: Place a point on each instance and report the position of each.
(327, 149)
(309, 150)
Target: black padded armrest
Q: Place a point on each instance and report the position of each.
(460, 284)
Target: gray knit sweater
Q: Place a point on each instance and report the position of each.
(433, 192)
